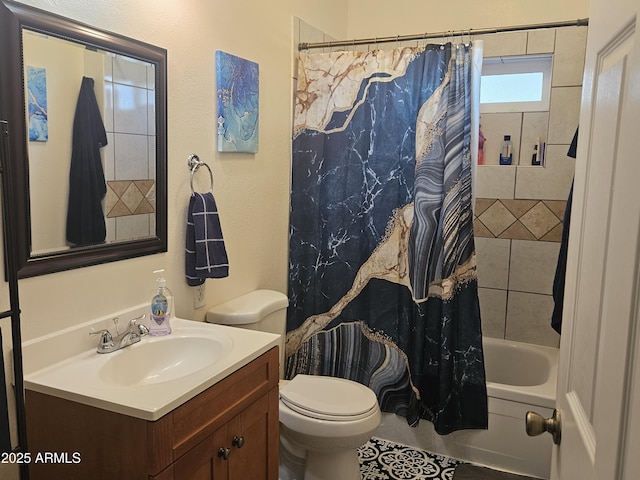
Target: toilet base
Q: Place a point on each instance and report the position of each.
(318, 465)
(292, 462)
(343, 465)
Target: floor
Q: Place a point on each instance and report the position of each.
(384, 460)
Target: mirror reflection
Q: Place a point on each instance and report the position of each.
(91, 144)
(86, 113)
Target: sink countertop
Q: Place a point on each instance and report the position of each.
(60, 365)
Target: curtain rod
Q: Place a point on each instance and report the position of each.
(423, 36)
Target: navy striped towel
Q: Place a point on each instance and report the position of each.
(205, 253)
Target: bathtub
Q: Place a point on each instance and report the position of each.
(520, 377)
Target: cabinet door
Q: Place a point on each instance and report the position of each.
(246, 448)
(253, 436)
(203, 461)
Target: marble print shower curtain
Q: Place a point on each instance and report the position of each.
(382, 282)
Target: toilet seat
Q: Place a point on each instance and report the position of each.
(328, 398)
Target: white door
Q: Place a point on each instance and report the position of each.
(599, 372)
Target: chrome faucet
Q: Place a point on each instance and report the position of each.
(134, 332)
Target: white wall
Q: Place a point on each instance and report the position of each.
(252, 191)
(329, 16)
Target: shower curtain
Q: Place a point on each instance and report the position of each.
(382, 277)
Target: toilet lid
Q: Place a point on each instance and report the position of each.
(328, 397)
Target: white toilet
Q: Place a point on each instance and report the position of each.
(323, 420)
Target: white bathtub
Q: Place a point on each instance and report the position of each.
(520, 377)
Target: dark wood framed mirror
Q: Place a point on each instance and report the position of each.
(53, 73)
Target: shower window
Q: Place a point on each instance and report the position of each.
(516, 84)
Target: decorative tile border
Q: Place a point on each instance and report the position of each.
(519, 219)
(130, 197)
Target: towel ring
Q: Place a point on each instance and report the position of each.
(195, 163)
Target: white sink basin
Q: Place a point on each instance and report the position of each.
(147, 379)
(162, 359)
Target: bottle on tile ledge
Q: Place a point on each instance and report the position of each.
(481, 140)
(535, 157)
(161, 304)
(506, 151)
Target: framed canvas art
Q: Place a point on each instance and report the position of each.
(37, 104)
(238, 104)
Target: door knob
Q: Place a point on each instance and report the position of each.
(537, 424)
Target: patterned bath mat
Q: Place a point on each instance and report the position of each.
(384, 460)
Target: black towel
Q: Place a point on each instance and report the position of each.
(205, 253)
(561, 267)
(87, 186)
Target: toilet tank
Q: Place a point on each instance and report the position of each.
(263, 310)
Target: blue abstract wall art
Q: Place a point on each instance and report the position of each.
(37, 104)
(237, 104)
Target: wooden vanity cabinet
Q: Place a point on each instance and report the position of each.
(229, 431)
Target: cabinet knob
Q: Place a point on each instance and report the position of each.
(224, 453)
(238, 442)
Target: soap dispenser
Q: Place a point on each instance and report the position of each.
(161, 304)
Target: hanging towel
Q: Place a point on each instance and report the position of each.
(205, 253)
(87, 186)
(561, 267)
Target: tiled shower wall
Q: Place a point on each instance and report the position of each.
(130, 155)
(519, 208)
